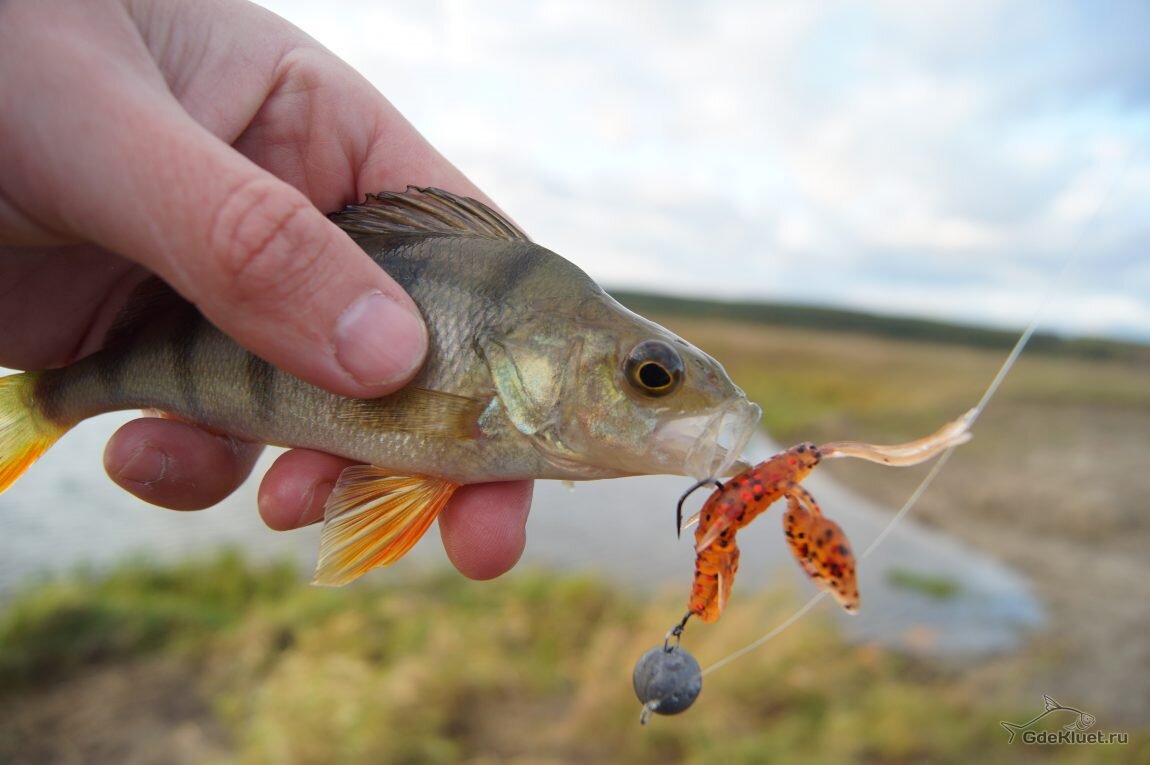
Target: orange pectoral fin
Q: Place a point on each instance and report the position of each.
(373, 518)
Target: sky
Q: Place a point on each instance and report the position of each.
(941, 160)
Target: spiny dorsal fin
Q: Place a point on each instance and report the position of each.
(426, 211)
(373, 518)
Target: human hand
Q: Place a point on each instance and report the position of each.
(199, 141)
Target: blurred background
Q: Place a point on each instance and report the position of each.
(854, 208)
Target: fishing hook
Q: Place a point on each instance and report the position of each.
(679, 508)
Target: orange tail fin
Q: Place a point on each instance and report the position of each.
(24, 433)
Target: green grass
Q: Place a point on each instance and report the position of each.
(60, 626)
(535, 667)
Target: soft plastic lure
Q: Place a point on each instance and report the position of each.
(818, 544)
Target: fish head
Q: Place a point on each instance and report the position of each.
(603, 392)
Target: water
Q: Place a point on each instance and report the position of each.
(65, 512)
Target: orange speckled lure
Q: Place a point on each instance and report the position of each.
(818, 544)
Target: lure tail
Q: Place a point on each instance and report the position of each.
(25, 433)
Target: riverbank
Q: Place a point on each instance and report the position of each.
(223, 662)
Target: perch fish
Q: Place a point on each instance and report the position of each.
(533, 371)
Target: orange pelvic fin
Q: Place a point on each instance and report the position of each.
(24, 433)
(373, 518)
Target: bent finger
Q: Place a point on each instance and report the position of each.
(484, 527)
(296, 487)
(177, 465)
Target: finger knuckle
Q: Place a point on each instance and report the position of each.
(263, 243)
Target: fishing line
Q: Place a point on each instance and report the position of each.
(1053, 289)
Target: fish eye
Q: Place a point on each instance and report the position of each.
(654, 368)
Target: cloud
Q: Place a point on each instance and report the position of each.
(874, 155)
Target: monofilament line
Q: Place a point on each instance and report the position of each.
(1053, 289)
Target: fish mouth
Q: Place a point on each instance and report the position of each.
(711, 446)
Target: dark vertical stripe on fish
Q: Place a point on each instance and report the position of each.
(49, 396)
(182, 348)
(109, 367)
(516, 268)
(260, 376)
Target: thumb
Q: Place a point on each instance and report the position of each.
(262, 263)
(99, 149)
(252, 252)
(268, 268)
